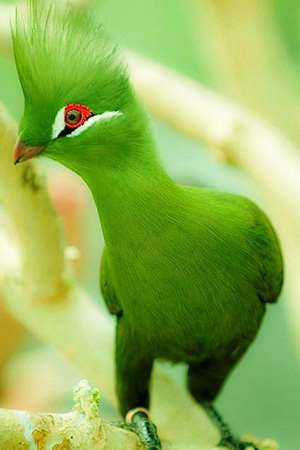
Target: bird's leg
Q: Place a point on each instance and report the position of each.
(137, 420)
(204, 382)
(228, 440)
(133, 371)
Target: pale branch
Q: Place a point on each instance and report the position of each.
(83, 428)
(246, 53)
(24, 195)
(78, 429)
(11, 333)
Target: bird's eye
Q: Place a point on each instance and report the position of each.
(75, 115)
(75, 118)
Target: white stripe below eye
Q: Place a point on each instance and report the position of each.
(59, 123)
(93, 119)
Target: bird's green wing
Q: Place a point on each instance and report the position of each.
(107, 287)
(246, 241)
(268, 256)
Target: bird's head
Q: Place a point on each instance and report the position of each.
(79, 107)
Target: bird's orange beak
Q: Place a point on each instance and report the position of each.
(23, 152)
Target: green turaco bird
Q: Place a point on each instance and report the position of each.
(186, 271)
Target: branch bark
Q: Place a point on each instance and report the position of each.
(78, 429)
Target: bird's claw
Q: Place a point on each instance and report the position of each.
(228, 440)
(137, 420)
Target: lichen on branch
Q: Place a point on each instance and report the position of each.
(81, 428)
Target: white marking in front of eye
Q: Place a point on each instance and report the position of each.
(59, 123)
(93, 119)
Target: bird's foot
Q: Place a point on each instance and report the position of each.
(137, 420)
(232, 443)
(228, 440)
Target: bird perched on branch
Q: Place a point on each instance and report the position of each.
(187, 271)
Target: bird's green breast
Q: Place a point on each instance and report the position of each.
(186, 260)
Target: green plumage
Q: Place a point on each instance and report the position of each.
(187, 271)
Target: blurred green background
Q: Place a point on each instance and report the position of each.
(262, 395)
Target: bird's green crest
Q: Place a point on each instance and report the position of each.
(63, 57)
(57, 46)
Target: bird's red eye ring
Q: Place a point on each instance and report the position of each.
(76, 115)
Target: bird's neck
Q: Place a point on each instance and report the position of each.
(133, 196)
